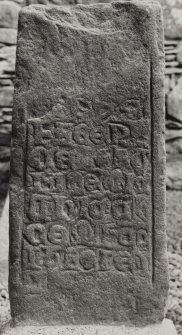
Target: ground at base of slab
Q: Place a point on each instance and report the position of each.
(164, 328)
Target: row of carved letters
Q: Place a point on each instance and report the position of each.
(83, 259)
(45, 133)
(78, 183)
(109, 236)
(60, 159)
(82, 108)
(42, 208)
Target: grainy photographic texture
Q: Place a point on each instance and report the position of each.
(87, 223)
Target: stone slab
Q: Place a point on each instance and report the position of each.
(8, 14)
(174, 102)
(165, 328)
(87, 194)
(7, 63)
(8, 36)
(6, 96)
(172, 10)
(174, 173)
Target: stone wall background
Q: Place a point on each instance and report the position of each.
(173, 83)
(8, 32)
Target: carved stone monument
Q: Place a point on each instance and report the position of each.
(87, 210)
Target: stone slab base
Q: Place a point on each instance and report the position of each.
(164, 328)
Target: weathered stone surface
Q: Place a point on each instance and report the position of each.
(7, 63)
(4, 242)
(87, 224)
(165, 328)
(6, 96)
(20, 2)
(173, 18)
(174, 173)
(4, 154)
(173, 134)
(8, 36)
(179, 53)
(6, 82)
(174, 102)
(172, 10)
(63, 2)
(167, 84)
(174, 146)
(8, 14)
(4, 178)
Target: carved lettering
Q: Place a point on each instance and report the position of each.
(119, 134)
(58, 235)
(85, 191)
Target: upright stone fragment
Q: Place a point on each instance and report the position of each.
(87, 223)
